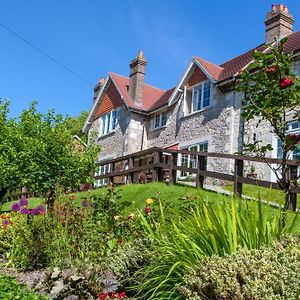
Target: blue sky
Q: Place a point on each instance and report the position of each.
(92, 37)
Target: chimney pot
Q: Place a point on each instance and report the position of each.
(279, 23)
(98, 87)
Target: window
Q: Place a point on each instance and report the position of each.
(109, 122)
(197, 97)
(292, 127)
(160, 120)
(190, 161)
(103, 169)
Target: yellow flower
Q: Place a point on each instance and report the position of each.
(131, 216)
(149, 201)
(116, 218)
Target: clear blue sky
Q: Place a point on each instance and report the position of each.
(92, 37)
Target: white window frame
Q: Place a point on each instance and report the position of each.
(102, 170)
(197, 104)
(190, 161)
(160, 118)
(291, 129)
(108, 122)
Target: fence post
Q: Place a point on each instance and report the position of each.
(238, 172)
(130, 166)
(157, 172)
(173, 171)
(292, 176)
(112, 169)
(200, 167)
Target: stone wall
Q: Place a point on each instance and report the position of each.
(112, 144)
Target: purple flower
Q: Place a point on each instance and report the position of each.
(5, 222)
(84, 203)
(40, 209)
(15, 206)
(34, 212)
(23, 201)
(24, 211)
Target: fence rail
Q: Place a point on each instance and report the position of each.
(157, 164)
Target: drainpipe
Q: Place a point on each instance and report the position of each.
(143, 132)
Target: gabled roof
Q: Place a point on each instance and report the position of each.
(231, 68)
(153, 98)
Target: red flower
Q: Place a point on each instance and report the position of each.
(73, 197)
(114, 295)
(122, 295)
(271, 69)
(103, 296)
(286, 82)
(148, 210)
(292, 138)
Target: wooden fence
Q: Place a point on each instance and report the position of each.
(157, 164)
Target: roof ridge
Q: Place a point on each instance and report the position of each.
(218, 66)
(144, 83)
(235, 57)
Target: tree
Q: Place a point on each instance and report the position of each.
(76, 123)
(272, 95)
(9, 149)
(44, 154)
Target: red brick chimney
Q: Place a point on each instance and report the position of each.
(279, 23)
(137, 77)
(98, 87)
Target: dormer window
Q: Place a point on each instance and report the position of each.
(197, 97)
(160, 120)
(108, 122)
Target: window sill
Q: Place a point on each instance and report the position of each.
(196, 112)
(106, 135)
(159, 128)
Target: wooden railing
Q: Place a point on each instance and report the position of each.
(156, 164)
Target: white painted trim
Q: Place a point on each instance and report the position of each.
(88, 122)
(181, 81)
(193, 142)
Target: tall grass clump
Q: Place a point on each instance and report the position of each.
(208, 228)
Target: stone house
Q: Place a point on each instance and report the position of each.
(203, 112)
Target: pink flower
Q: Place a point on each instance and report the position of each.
(148, 210)
(286, 82)
(271, 69)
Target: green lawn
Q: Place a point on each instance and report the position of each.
(258, 192)
(138, 193)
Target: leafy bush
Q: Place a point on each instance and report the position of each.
(10, 289)
(210, 228)
(68, 233)
(267, 273)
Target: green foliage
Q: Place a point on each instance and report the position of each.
(210, 228)
(272, 94)
(75, 124)
(37, 151)
(10, 289)
(267, 273)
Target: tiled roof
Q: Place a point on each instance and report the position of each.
(153, 98)
(234, 65)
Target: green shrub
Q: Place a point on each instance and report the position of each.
(10, 289)
(267, 273)
(210, 228)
